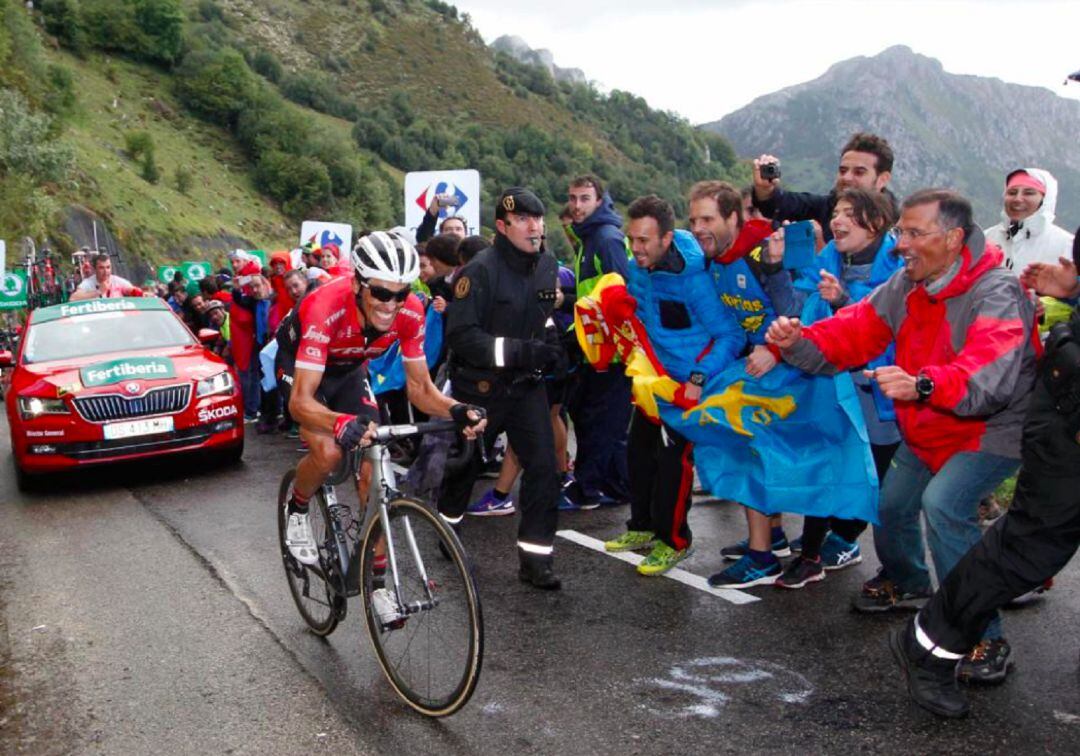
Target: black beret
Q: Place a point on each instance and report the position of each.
(520, 200)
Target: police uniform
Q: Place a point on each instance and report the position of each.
(502, 339)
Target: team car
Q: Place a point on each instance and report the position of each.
(104, 380)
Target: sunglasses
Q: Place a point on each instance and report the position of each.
(383, 294)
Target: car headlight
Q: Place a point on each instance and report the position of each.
(222, 383)
(34, 406)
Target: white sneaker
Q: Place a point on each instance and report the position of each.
(299, 539)
(385, 607)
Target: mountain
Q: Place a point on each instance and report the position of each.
(184, 128)
(946, 129)
(517, 48)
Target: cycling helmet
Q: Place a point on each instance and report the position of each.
(387, 256)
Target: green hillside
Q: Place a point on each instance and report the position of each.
(191, 126)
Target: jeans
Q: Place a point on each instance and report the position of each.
(950, 500)
(250, 389)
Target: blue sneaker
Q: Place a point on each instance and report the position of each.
(489, 506)
(780, 548)
(836, 553)
(746, 573)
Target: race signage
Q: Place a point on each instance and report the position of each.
(115, 371)
(461, 188)
(191, 271)
(96, 306)
(322, 233)
(13, 290)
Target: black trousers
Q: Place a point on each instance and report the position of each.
(661, 481)
(816, 528)
(1030, 544)
(527, 422)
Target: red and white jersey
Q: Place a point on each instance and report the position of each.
(332, 329)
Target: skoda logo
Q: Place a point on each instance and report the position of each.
(131, 388)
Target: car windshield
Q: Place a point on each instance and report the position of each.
(103, 332)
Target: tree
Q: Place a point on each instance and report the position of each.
(217, 84)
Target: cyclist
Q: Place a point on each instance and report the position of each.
(329, 339)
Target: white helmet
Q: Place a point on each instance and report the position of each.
(387, 256)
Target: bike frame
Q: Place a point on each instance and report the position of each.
(383, 489)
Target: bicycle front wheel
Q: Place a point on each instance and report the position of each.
(428, 632)
(317, 603)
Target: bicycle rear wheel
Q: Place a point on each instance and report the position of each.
(316, 601)
(432, 655)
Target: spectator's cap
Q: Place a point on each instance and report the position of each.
(1021, 177)
(332, 248)
(213, 304)
(237, 253)
(518, 199)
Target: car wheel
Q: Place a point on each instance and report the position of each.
(233, 455)
(24, 481)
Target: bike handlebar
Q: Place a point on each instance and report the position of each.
(386, 433)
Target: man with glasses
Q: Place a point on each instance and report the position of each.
(965, 366)
(329, 339)
(503, 340)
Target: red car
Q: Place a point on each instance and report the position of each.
(104, 380)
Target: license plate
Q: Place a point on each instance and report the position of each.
(138, 428)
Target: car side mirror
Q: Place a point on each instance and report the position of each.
(7, 359)
(208, 336)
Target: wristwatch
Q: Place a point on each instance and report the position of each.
(924, 386)
(697, 379)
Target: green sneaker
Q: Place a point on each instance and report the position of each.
(632, 540)
(662, 558)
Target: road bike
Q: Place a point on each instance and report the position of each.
(409, 568)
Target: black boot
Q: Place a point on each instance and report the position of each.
(931, 681)
(536, 571)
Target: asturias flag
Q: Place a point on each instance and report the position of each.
(786, 442)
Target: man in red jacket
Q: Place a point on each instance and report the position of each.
(965, 366)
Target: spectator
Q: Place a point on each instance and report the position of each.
(695, 337)
(442, 252)
(426, 271)
(282, 302)
(218, 318)
(451, 224)
(104, 283)
(601, 408)
(192, 313)
(747, 284)
(1036, 537)
(1027, 233)
(749, 212)
(177, 297)
(858, 259)
(470, 247)
(965, 365)
(257, 303)
(866, 162)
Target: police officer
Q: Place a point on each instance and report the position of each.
(502, 340)
(1032, 542)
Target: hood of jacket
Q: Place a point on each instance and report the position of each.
(976, 259)
(605, 215)
(1042, 218)
(752, 234)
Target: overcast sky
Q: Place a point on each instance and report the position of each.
(705, 58)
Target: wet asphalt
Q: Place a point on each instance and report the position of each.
(145, 610)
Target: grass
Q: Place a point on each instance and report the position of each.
(116, 97)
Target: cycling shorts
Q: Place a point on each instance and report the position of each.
(343, 388)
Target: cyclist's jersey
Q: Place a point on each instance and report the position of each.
(331, 329)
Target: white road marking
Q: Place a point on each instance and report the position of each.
(676, 574)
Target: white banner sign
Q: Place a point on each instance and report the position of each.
(323, 233)
(461, 194)
(3, 256)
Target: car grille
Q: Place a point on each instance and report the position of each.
(102, 408)
(90, 450)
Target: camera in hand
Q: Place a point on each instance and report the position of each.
(770, 171)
